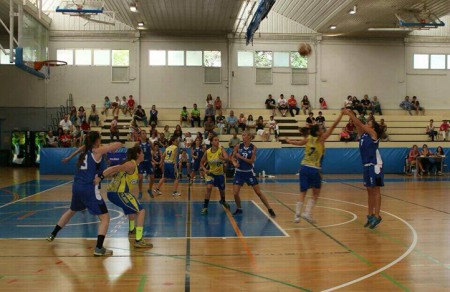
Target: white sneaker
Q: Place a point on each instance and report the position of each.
(176, 194)
(308, 217)
(297, 218)
(157, 192)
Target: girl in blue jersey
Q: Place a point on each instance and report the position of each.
(310, 168)
(85, 190)
(197, 150)
(373, 166)
(146, 167)
(243, 157)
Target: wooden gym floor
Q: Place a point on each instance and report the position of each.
(409, 250)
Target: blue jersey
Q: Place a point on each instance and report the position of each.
(147, 150)
(246, 152)
(85, 175)
(199, 153)
(369, 150)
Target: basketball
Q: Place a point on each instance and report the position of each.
(304, 49)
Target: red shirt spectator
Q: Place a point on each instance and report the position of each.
(66, 139)
(444, 126)
(292, 101)
(130, 102)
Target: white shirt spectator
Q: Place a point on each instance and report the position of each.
(282, 102)
(65, 125)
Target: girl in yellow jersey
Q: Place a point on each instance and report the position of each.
(215, 176)
(310, 167)
(168, 166)
(119, 192)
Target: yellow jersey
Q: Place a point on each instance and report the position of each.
(314, 151)
(170, 154)
(214, 162)
(122, 182)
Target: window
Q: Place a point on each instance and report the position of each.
(263, 59)
(421, 61)
(120, 57)
(83, 57)
(194, 58)
(245, 59)
(65, 55)
(437, 62)
(4, 59)
(212, 59)
(281, 59)
(175, 58)
(102, 57)
(298, 61)
(157, 58)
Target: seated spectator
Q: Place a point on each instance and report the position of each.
(232, 122)
(188, 140)
(348, 103)
(351, 129)
(431, 132)
(76, 137)
(51, 140)
(140, 116)
(209, 126)
(260, 125)
(85, 128)
(282, 105)
(184, 116)
(218, 104)
(154, 137)
(234, 141)
(115, 105)
(384, 135)
(376, 106)
(131, 105)
(195, 116)
(220, 121)
(123, 106)
(438, 160)
(443, 129)
(424, 159)
(114, 129)
(93, 115)
(166, 132)
(208, 140)
(162, 140)
(178, 133)
(272, 124)
(292, 102)
(320, 120)
(406, 105)
(153, 120)
(271, 104)
(345, 136)
(306, 105)
(81, 115)
(276, 131)
(250, 125)
(242, 122)
(411, 160)
(415, 105)
(66, 124)
(310, 121)
(209, 100)
(73, 115)
(183, 163)
(357, 105)
(59, 134)
(106, 106)
(199, 136)
(366, 105)
(323, 104)
(66, 139)
(210, 112)
(134, 132)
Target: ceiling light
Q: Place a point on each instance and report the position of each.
(333, 26)
(141, 24)
(133, 7)
(353, 11)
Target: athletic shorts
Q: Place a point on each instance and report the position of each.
(87, 197)
(196, 165)
(145, 167)
(217, 181)
(126, 201)
(184, 164)
(309, 178)
(170, 171)
(373, 176)
(241, 177)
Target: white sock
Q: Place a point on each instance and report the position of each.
(298, 207)
(309, 206)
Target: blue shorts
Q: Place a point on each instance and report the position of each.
(196, 165)
(126, 201)
(241, 177)
(87, 197)
(145, 167)
(217, 181)
(373, 176)
(309, 178)
(170, 171)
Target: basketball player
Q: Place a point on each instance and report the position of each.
(145, 167)
(310, 167)
(126, 175)
(214, 176)
(243, 157)
(373, 166)
(197, 151)
(85, 190)
(169, 165)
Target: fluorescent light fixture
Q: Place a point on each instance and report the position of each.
(141, 24)
(353, 11)
(390, 29)
(133, 7)
(333, 26)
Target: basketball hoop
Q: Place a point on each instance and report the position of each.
(49, 63)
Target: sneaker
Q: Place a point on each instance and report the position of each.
(150, 193)
(375, 222)
(297, 218)
(225, 204)
(237, 212)
(308, 217)
(204, 211)
(157, 192)
(140, 196)
(272, 213)
(100, 252)
(132, 232)
(142, 244)
(439, 173)
(176, 194)
(50, 238)
(369, 220)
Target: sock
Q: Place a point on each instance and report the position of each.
(56, 230)
(205, 204)
(100, 240)
(131, 225)
(139, 232)
(309, 206)
(298, 208)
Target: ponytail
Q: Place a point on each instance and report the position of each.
(88, 143)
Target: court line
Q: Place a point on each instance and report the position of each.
(380, 270)
(187, 273)
(271, 219)
(142, 283)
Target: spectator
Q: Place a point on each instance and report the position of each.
(59, 134)
(218, 104)
(276, 131)
(362, 118)
(93, 115)
(166, 132)
(357, 105)
(370, 118)
(114, 129)
(306, 105)
(131, 105)
(50, 140)
(208, 140)
(140, 116)
(272, 124)
(415, 105)
(199, 136)
(234, 141)
(282, 105)
(115, 105)
(260, 125)
(66, 139)
(443, 129)
(209, 112)
(348, 103)
(320, 120)
(134, 132)
(376, 106)
(345, 136)
(85, 128)
(250, 125)
(242, 122)
(209, 126)
(188, 140)
(123, 106)
(162, 141)
(66, 124)
(438, 160)
(383, 128)
(81, 115)
(350, 127)
(76, 136)
(292, 102)
(184, 117)
(220, 121)
(366, 104)
(153, 120)
(271, 104)
(154, 137)
(424, 159)
(406, 105)
(411, 160)
(195, 116)
(106, 106)
(73, 115)
(310, 121)
(232, 122)
(183, 163)
(323, 104)
(178, 133)
(431, 132)
(209, 101)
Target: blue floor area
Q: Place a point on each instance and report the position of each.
(26, 189)
(164, 219)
